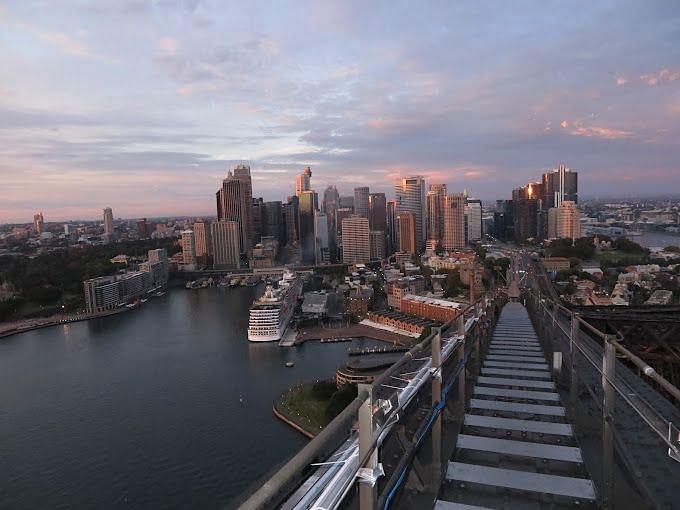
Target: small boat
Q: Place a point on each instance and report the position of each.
(290, 364)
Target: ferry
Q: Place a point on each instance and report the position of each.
(271, 314)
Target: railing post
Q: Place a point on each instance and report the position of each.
(608, 392)
(573, 370)
(460, 360)
(368, 495)
(436, 398)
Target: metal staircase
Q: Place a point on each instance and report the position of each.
(516, 449)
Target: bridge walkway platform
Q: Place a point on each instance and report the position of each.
(516, 449)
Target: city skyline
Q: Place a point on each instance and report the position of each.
(143, 108)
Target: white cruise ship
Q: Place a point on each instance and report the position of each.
(270, 315)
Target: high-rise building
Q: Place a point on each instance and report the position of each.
(564, 221)
(142, 228)
(290, 220)
(323, 254)
(274, 222)
(307, 225)
(410, 197)
(225, 244)
(473, 220)
(377, 211)
(108, 221)
(188, 243)
(454, 222)
(361, 201)
(39, 223)
(355, 240)
(525, 216)
(258, 220)
(377, 241)
(346, 202)
(435, 211)
(392, 232)
(559, 185)
(203, 239)
(406, 225)
(235, 203)
(303, 181)
(331, 200)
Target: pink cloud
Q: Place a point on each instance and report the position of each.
(621, 80)
(660, 76)
(601, 132)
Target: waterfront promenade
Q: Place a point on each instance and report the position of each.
(352, 331)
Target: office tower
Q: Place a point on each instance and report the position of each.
(142, 228)
(274, 222)
(235, 203)
(202, 239)
(410, 197)
(108, 221)
(258, 219)
(303, 181)
(346, 202)
(361, 201)
(38, 223)
(225, 244)
(158, 255)
(473, 220)
(564, 221)
(525, 218)
(391, 231)
(377, 211)
(306, 223)
(158, 264)
(377, 241)
(454, 222)
(434, 200)
(559, 185)
(331, 200)
(406, 225)
(290, 220)
(188, 243)
(323, 254)
(355, 240)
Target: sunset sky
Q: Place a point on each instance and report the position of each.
(144, 105)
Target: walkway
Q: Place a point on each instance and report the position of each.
(516, 449)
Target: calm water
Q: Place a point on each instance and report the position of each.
(657, 239)
(142, 410)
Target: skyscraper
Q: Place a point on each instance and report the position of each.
(225, 244)
(203, 239)
(435, 211)
(142, 228)
(391, 233)
(38, 223)
(307, 225)
(274, 221)
(188, 243)
(361, 201)
(410, 197)
(559, 185)
(377, 211)
(331, 199)
(258, 220)
(323, 255)
(290, 221)
(454, 222)
(406, 224)
(235, 203)
(108, 221)
(303, 181)
(473, 220)
(377, 242)
(355, 240)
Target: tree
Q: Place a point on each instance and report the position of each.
(453, 284)
(341, 399)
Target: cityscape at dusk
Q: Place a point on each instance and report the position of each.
(340, 255)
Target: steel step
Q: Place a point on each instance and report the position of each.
(448, 505)
(517, 347)
(516, 373)
(510, 364)
(540, 427)
(520, 448)
(521, 480)
(521, 383)
(498, 357)
(506, 352)
(550, 396)
(516, 407)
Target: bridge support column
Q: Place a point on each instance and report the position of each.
(608, 392)
(368, 494)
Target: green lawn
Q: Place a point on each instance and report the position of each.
(621, 258)
(300, 403)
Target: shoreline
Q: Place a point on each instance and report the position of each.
(287, 418)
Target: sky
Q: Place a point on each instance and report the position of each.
(143, 106)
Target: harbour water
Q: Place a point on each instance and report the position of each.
(167, 406)
(656, 239)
